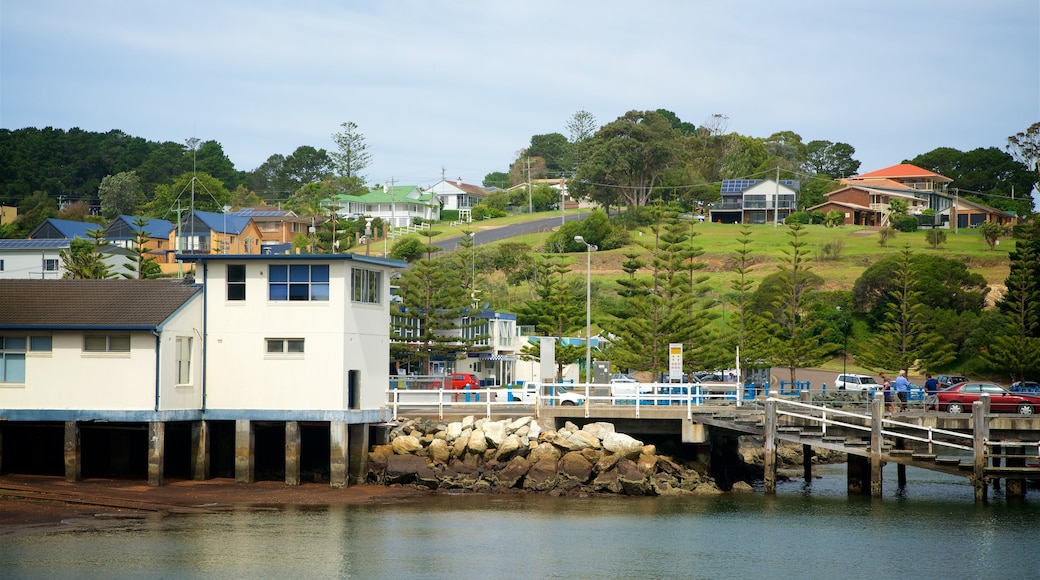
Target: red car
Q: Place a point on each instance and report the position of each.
(463, 381)
(959, 398)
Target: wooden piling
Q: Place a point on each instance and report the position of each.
(980, 419)
(769, 453)
(245, 459)
(293, 446)
(200, 450)
(877, 408)
(73, 455)
(156, 452)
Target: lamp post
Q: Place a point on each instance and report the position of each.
(845, 342)
(589, 248)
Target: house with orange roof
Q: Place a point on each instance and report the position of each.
(456, 195)
(866, 199)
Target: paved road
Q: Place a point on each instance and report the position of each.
(513, 230)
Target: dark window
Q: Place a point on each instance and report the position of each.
(236, 282)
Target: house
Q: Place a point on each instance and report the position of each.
(56, 229)
(122, 232)
(866, 199)
(495, 348)
(269, 364)
(755, 201)
(203, 232)
(36, 259)
(93, 371)
(297, 357)
(397, 206)
(277, 227)
(456, 195)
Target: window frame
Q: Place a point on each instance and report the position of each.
(298, 283)
(294, 347)
(109, 348)
(12, 359)
(233, 283)
(366, 286)
(182, 360)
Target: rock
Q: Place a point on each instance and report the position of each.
(607, 462)
(508, 447)
(439, 450)
(599, 429)
(511, 474)
(593, 455)
(570, 426)
(649, 450)
(524, 432)
(664, 484)
(467, 422)
(495, 433)
(542, 451)
(458, 449)
(518, 423)
(406, 445)
(542, 476)
(622, 445)
(403, 468)
(534, 430)
(690, 479)
(546, 436)
(647, 464)
(742, 487)
(707, 488)
(477, 442)
(572, 466)
(632, 480)
(607, 482)
(579, 440)
(453, 431)
(668, 466)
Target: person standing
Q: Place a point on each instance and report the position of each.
(931, 388)
(886, 388)
(902, 389)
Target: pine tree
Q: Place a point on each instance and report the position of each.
(1018, 351)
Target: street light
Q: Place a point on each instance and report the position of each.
(588, 306)
(845, 343)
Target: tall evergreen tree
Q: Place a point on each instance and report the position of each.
(429, 317)
(1018, 351)
(84, 259)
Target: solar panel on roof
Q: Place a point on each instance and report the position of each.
(31, 244)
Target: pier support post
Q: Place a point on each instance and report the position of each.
(1014, 488)
(769, 453)
(200, 450)
(293, 446)
(156, 452)
(73, 455)
(245, 460)
(877, 407)
(980, 420)
(339, 453)
(858, 476)
(359, 446)
(900, 468)
(807, 454)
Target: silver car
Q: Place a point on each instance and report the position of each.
(855, 383)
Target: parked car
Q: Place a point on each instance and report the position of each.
(850, 382)
(959, 398)
(459, 381)
(528, 395)
(1025, 387)
(946, 381)
(622, 378)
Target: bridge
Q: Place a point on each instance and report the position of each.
(985, 447)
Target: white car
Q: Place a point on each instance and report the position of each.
(855, 383)
(528, 395)
(622, 378)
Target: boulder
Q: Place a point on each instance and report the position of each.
(508, 447)
(664, 484)
(649, 450)
(534, 430)
(607, 462)
(647, 464)
(690, 479)
(623, 445)
(542, 476)
(477, 442)
(632, 480)
(495, 433)
(570, 426)
(516, 424)
(439, 450)
(606, 482)
(599, 429)
(575, 468)
(513, 472)
(579, 440)
(707, 488)
(593, 455)
(467, 422)
(406, 445)
(542, 451)
(403, 468)
(458, 448)
(453, 431)
(742, 487)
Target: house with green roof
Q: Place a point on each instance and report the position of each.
(398, 205)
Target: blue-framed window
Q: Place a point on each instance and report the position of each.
(12, 359)
(298, 282)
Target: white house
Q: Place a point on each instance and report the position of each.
(73, 353)
(456, 195)
(32, 259)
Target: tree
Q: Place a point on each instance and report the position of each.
(201, 191)
(353, 156)
(408, 248)
(1024, 146)
(557, 308)
(831, 159)
(627, 158)
(905, 338)
(935, 237)
(554, 149)
(120, 194)
(580, 128)
(142, 266)
(992, 232)
(84, 260)
(497, 179)
(795, 334)
(306, 165)
(432, 305)
(1018, 351)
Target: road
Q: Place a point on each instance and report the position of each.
(509, 231)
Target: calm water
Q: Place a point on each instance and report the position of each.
(933, 529)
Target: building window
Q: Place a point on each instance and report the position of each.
(236, 282)
(364, 285)
(40, 343)
(12, 359)
(1, 265)
(50, 265)
(286, 346)
(183, 360)
(107, 343)
(298, 282)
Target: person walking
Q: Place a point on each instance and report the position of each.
(931, 389)
(902, 389)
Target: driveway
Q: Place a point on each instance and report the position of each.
(510, 231)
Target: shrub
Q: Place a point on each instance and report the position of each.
(798, 217)
(884, 235)
(905, 223)
(834, 218)
(818, 216)
(935, 238)
(449, 215)
(832, 250)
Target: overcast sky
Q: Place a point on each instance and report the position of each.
(462, 86)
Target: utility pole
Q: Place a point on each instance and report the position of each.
(776, 198)
(530, 201)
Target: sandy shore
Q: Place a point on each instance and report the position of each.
(31, 502)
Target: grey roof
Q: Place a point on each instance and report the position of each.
(91, 304)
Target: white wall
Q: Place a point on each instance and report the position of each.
(338, 334)
(28, 264)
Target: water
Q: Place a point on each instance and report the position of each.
(932, 529)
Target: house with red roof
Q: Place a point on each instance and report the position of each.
(866, 199)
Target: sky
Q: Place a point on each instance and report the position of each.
(457, 88)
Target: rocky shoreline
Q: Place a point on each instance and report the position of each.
(521, 454)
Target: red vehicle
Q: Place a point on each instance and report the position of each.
(463, 381)
(959, 398)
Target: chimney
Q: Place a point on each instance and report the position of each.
(458, 182)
